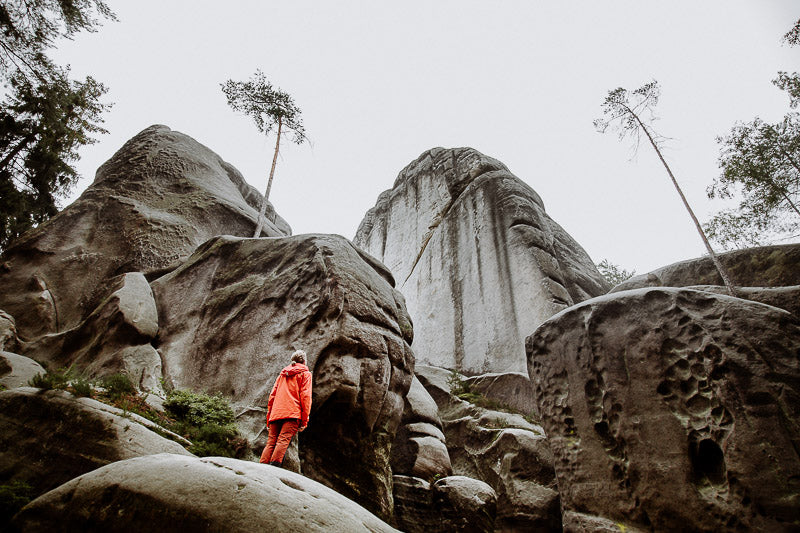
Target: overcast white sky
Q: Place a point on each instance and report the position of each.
(521, 81)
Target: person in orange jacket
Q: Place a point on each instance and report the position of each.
(288, 408)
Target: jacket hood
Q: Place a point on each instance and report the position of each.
(293, 369)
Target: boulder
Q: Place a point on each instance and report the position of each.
(8, 332)
(114, 338)
(419, 448)
(763, 266)
(233, 313)
(177, 493)
(466, 239)
(504, 449)
(159, 197)
(17, 370)
(673, 409)
(50, 437)
(511, 389)
(454, 503)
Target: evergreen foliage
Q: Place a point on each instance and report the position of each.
(44, 117)
(624, 111)
(271, 109)
(614, 274)
(760, 165)
(42, 126)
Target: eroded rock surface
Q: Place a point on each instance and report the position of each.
(419, 448)
(454, 503)
(763, 266)
(115, 338)
(159, 197)
(673, 409)
(17, 370)
(466, 240)
(233, 313)
(50, 437)
(504, 449)
(178, 493)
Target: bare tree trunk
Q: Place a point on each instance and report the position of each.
(721, 269)
(269, 183)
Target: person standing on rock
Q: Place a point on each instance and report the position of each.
(288, 408)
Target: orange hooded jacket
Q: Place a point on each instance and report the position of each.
(291, 395)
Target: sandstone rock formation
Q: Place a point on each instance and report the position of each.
(233, 313)
(672, 409)
(116, 337)
(466, 240)
(501, 448)
(177, 493)
(50, 437)
(159, 197)
(419, 448)
(764, 266)
(8, 333)
(454, 503)
(17, 370)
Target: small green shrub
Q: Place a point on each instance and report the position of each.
(56, 380)
(81, 387)
(13, 497)
(457, 385)
(198, 408)
(118, 384)
(207, 421)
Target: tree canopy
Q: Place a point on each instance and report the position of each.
(30, 27)
(760, 164)
(271, 109)
(41, 128)
(44, 116)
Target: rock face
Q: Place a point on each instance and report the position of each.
(233, 313)
(116, 337)
(419, 449)
(454, 503)
(159, 197)
(501, 448)
(177, 493)
(672, 409)
(765, 266)
(16, 370)
(50, 437)
(466, 240)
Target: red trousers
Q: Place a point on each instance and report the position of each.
(278, 439)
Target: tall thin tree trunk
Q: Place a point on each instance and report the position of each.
(721, 269)
(269, 182)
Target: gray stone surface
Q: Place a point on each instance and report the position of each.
(454, 503)
(17, 370)
(419, 448)
(176, 493)
(233, 313)
(159, 197)
(8, 332)
(114, 338)
(503, 449)
(513, 389)
(466, 240)
(50, 437)
(673, 409)
(763, 266)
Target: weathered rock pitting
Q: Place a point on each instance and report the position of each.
(466, 240)
(672, 409)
